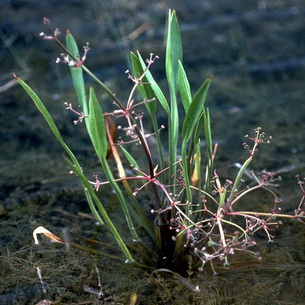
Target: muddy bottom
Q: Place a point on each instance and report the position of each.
(65, 274)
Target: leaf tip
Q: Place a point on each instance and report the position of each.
(172, 13)
(15, 76)
(68, 32)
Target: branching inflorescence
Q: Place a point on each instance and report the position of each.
(197, 212)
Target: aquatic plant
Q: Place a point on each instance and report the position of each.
(195, 215)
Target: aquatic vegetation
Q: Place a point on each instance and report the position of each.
(195, 215)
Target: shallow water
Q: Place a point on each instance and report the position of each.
(255, 51)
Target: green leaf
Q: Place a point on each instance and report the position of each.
(43, 110)
(190, 123)
(195, 110)
(93, 209)
(96, 126)
(75, 166)
(137, 69)
(144, 89)
(154, 86)
(173, 52)
(94, 199)
(207, 132)
(209, 147)
(198, 164)
(97, 132)
(77, 74)
(184, 87)
(222, 199)
(198, 130)
(130, 158)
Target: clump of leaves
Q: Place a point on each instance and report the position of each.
(195, 212)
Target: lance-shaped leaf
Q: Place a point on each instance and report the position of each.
(144, 88)
(154, 86)
(197, 170)
(208, 132)
(43, 110)
(184, 87)
(96, 126)
(209, 149)
(75, 166)
(195, 110)
(77, 73)
(147, 93)
(173, 52)
(97, 132)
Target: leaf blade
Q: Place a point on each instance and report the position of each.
(184, 87)
(77, 74)
(155, 87)
(195, 110)
(96, 126)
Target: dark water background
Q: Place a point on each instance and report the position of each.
(255, 51)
